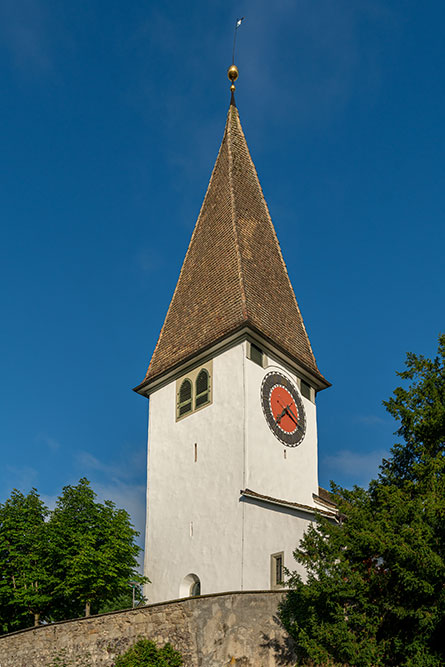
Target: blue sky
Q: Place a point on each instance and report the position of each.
(111, 117)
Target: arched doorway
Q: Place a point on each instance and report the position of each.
(190, 586)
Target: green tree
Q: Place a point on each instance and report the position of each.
(25, 576)
(124, 601)
(93, 551)
(145, 654)
(374, 593)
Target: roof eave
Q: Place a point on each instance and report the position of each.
(150, 384)
(298, 507)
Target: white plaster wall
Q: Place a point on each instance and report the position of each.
(270, 530)
(197, 523)
(205, 493)
(294, 477)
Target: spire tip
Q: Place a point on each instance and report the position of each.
(232, 74)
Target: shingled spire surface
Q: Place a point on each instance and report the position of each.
(233, 274)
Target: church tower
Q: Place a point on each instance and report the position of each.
(232, 383)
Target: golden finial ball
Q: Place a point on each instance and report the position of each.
(232, 73)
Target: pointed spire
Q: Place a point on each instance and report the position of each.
(233, 275)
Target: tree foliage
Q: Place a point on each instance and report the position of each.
(25, 573)
(145, 654)
(93, 549)
(124, 600)
(374, 593)
(54, 565)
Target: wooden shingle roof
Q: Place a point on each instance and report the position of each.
(233, 274)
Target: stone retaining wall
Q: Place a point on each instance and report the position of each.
(210, 631)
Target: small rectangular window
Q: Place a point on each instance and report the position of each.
(277, 570)
(256, 354)
(306, 389)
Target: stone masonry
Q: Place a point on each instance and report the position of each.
(210, 631)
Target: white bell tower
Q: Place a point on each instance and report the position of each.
(232, 383)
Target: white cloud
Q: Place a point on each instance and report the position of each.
(50, 442)
(315, 48)
(23, 478)
(119, 481)
(370, 420)
(24, 31)
(359, 467)
(130, 497)
(127, 467)
(50, 501)
(149, 260)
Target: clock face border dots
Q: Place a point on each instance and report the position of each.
(270, 381)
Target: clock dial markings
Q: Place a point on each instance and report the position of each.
(283, 409)
(289, 422)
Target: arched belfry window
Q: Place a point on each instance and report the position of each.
(194, 390)
(202, 395)
(185, 398)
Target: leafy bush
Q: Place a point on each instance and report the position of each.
(145, 654)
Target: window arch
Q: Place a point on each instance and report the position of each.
(185, 398)
(194, 390)
(202, 394)
(190, 586)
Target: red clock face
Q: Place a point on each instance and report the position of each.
(283, 408)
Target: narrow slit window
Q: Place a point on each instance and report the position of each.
(185, 398)
(256, 354)
(305, 389)
(202, 388)
(277, 570)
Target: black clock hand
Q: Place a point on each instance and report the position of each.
(280, 416)
(291, 415)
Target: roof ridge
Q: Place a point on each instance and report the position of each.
(275, 237)
(234, 216)
(189, 246)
